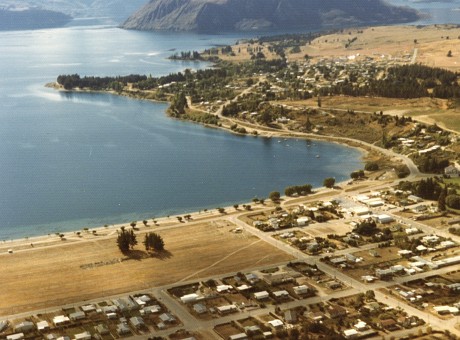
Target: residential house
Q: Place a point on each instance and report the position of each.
(281, 294)
(351, 333)
(61, 320)
(122, 329)
(227, 309)
(17, 336)
(301, 290)
(137, 322)
(240, 336)
(276, 323)
(189, 298)
(167, 318)
(77, 316)
(43, 326)
(277, 279)
(261, 295)
(388, 324)
(199, 308)
(25, 327)
(83, 336)
(152, 309)
(102, 329)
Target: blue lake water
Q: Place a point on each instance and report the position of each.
(69, 161)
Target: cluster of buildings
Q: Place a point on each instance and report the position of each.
(123, 316)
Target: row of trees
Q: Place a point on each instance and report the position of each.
(298, 189)
(72, 81)
(407, 81)
(435, 190)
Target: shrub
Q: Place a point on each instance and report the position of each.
(453, 201)
(371, 166)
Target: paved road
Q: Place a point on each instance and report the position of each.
(360, 286)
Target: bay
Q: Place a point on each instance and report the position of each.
(75, 160)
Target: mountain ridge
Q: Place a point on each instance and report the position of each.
(244, 15)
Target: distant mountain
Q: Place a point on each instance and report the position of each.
(31, 19)
(241, 15)
(116, 10)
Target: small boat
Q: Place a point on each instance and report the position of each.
(317, 156)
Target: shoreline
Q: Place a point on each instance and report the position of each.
(264, 132)
(30, 243)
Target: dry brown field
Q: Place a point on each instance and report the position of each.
(393, 43)
(52, 276)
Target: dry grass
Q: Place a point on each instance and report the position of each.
(46, 277)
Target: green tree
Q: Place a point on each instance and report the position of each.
(329, 182)
(366, 228)
(308, 125)
(442, 200)
(126, 240)
(453, 201)
(153, 241)
(274, 196)
(371, 166)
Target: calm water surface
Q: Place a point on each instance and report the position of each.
(68, 161)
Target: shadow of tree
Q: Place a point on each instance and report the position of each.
(137, 255)
(162, 255)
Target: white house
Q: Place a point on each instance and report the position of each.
(189, 298)
(43, 326)
(301, 290)
(83, 336)
(223, 288)
(261, 295)
(384, 218)
(303, 221)
(60, 320)
(276, 323)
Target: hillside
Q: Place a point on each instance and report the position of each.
(31, 19)
(244, 15)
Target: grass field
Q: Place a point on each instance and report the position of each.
(77, 271)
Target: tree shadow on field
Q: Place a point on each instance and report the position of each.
(137, 255)
(162, 255)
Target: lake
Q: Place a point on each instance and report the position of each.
(74, 160)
